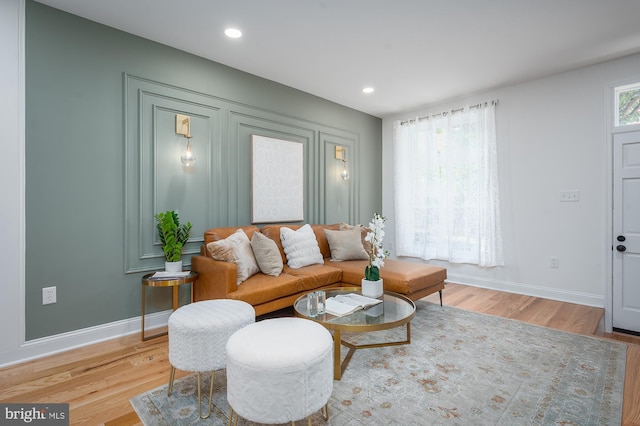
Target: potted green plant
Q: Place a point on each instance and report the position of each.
(173, 236)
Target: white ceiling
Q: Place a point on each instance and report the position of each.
(414, 52)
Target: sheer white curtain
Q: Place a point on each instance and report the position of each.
(446, 187)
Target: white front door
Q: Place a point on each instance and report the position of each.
(626, 231)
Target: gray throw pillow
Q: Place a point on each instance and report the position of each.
(346, 245)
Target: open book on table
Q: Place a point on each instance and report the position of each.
(164, 275)
(345, 304)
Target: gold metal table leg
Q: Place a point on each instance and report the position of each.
(325, 412)
(339, 367)
(142, 332)
(172, 376)
(143, 303)
(200, 397)
(175, 297)
(337, 364)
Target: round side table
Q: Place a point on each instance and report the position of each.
(175, 282)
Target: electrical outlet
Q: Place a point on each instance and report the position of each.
(570, 196)
(48, 295)
(554, 262)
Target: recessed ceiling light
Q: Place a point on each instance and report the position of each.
(233, 33)
(368, 90)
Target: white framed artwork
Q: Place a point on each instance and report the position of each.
(277, 180)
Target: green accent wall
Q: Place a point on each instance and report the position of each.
(102, 156)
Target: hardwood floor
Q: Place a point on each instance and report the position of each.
(97, 381)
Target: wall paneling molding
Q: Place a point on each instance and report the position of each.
(216, 191)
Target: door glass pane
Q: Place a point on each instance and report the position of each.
(628, 105)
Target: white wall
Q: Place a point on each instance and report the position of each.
(12, 178)
(552, 136)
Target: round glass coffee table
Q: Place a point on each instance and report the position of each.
(395, 311)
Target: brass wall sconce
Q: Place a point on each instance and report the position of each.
(341, 154)
(183, 127)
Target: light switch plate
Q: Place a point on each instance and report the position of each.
(570, 195)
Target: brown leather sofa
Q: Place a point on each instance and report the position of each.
(217, 279)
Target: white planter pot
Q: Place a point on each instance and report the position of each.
(372, 288)
(173, 266)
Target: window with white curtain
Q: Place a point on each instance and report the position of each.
(447, 203)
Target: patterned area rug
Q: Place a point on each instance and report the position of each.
(461, 368)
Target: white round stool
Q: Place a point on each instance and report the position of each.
(279, 370)
(198, 335)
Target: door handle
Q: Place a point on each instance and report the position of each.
(621, 248)
(621, 238)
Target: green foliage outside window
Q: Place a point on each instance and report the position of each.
(629, 107)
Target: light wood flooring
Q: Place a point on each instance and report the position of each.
(98, 380)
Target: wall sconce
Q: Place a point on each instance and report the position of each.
(183, 127)
(341, 154)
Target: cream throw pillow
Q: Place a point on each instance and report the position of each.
(300, 246)
(236, 248)
(363, 229)
(346, 245)
(267, 254)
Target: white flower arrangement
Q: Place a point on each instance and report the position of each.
(377, 254)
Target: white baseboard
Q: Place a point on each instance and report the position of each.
(50, 345)
(529, 290)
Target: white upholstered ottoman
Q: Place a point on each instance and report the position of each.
(198, 335)
(279, 370)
